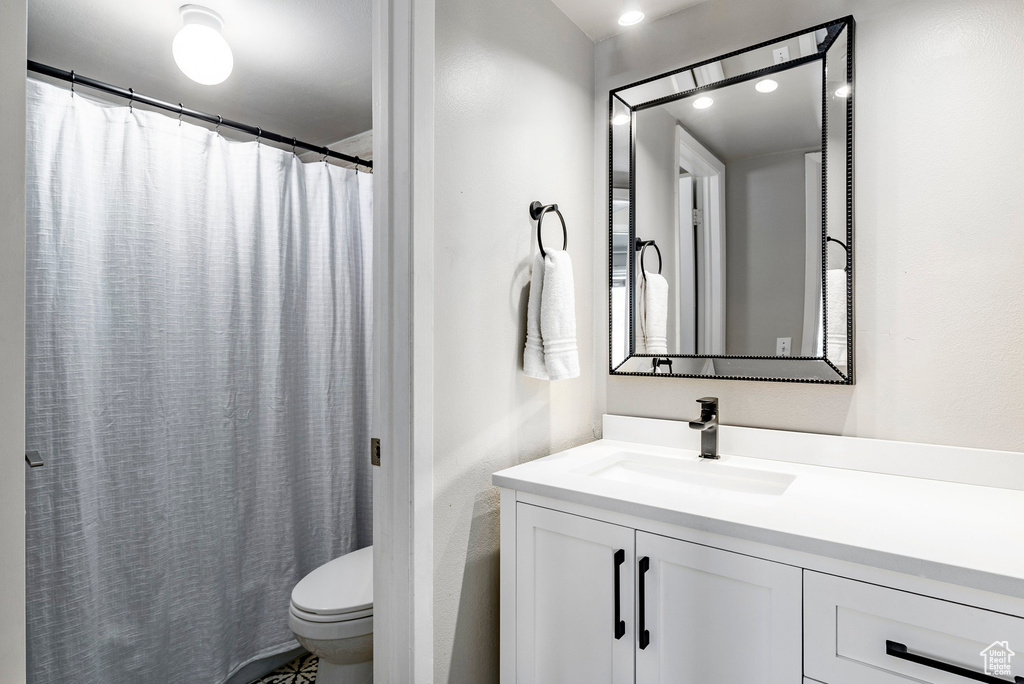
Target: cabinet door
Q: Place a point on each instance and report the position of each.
(715, 617)
(566, 628)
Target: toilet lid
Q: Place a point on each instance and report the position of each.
(343, 585)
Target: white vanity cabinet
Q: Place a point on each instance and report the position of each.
(631, 560)
(714, 616)
(574, 577)
(598, 602)
(861, 633)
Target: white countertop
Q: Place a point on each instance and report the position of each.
(966, 534)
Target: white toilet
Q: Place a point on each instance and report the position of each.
(331, 615)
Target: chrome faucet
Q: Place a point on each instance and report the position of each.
(708, 426)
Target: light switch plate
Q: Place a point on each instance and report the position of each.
(783, 346)
(781, 54)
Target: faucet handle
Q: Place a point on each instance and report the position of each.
(708, 408)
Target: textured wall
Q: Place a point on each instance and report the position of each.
(514, 124)
(939, 204)
(12, 340)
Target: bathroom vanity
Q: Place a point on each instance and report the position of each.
(794, 558)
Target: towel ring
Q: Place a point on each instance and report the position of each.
(642, 245)
(537, 211)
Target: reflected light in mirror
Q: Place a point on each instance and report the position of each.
(843, 90)
(703, 103)
(631, 17)
(620, 119)
(766, 86)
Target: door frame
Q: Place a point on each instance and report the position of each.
(699, 160)
(403, 280)
(813, 263)
(13, 57)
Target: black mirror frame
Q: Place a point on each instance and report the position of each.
(845, 23)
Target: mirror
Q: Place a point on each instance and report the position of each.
(730, 214)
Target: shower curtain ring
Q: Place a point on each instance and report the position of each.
(72, 83)
(220, 120)
(324, 160)
(259, 134)
(293, 147)
(131, 101)
(181, 110)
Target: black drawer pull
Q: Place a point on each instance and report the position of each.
(620, 625)
(645, 635)
(898, 650)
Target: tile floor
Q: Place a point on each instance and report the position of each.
(302, 670)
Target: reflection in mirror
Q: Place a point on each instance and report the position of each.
(730, 215)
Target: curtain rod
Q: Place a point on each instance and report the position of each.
(129, 94)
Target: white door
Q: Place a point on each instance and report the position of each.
(707, 616)
(574, 599)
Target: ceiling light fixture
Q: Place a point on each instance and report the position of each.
(766, 85)
(703, 103)
(843, 90)
(199, 49)
(620, 119)
(631, 16)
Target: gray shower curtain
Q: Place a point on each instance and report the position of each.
(198, 384)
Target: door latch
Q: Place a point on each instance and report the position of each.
(33, 458)
(375, 451)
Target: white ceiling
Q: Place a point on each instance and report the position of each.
(302, 67)
(744, 123)
(599, 19)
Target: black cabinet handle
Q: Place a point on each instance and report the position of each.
(645, 635)
(898, 650)
(620, 624)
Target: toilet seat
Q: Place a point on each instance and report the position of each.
(337, 591)
(330, 631)
(338, 617)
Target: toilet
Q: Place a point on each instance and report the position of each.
(331, 614)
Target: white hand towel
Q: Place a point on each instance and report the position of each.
(533, 355)
(558, 317)
(654, 313)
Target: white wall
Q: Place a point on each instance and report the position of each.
(12, 340)
(513, 123)
(765, 237)
(939, 252)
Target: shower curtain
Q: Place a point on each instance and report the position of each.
(198, 386)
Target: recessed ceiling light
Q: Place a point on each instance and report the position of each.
(703, 103)
(620, 119)
(766, 85)
(631, 17)
(199, 49)
(843, 90)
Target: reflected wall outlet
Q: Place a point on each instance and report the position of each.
(783, 345)
(781, 54)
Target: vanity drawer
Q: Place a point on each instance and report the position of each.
(850, 629)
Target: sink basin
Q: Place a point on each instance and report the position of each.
(684, 475)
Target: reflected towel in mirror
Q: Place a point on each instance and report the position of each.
(837, 323)
(653, 314)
